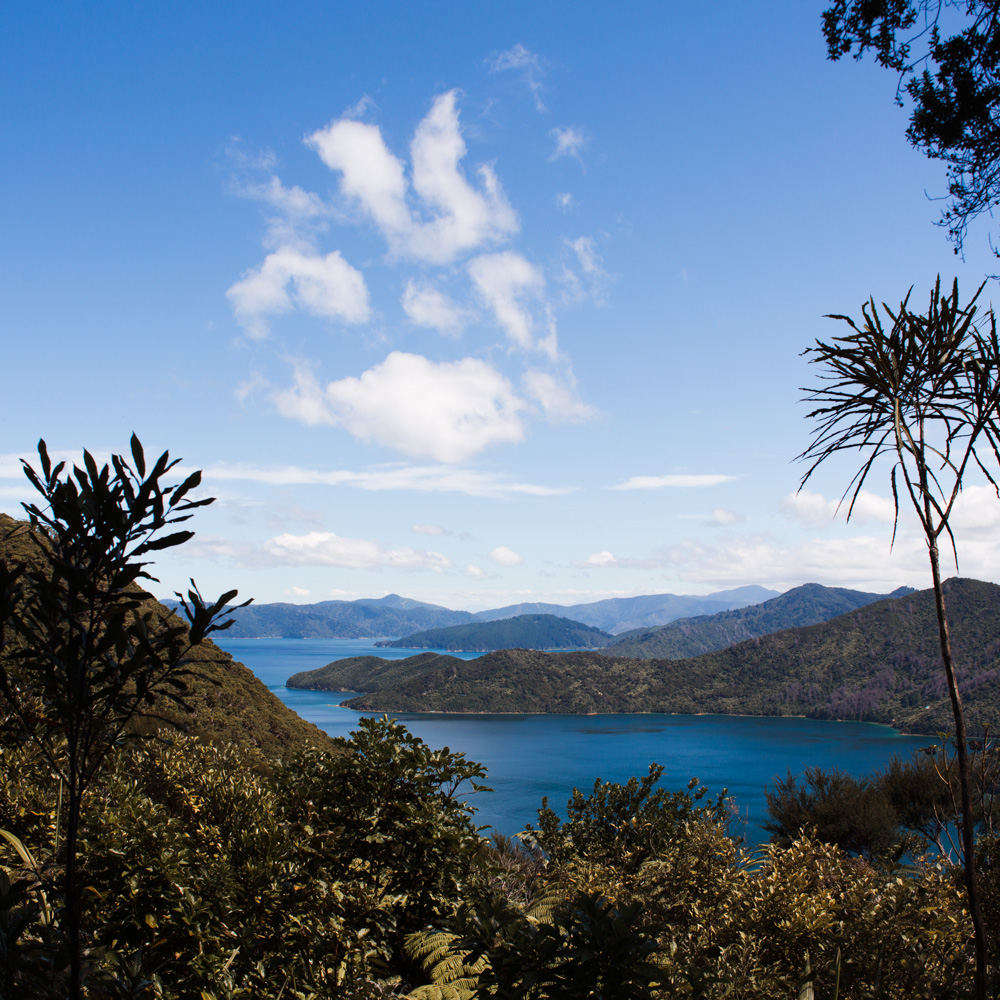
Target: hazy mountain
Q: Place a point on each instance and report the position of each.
(367, 618)
(878, 663)
(805, 605)
(522, 631)
(619, 614)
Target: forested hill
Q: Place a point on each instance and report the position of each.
(229, 705)
(523, 632)
(390, 615)
(879, 663)
(806, 605)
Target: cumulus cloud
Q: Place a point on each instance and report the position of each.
(509, 284)
(297, 592)
(446, 412)
(321, 285)
(522, 60)
(569, 142)
(427, 306)
(504, 556)
(676, 481)
(454, 215)
(323, 548)
(817, 511)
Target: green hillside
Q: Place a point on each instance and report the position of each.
(521, 632)
(229, 705)
(805, 605)
(879, 663)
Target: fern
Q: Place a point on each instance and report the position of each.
(446, 964)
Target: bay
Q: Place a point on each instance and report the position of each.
(531, 756)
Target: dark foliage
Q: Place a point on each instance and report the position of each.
(952, 80)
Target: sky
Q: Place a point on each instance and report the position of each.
(472, 303)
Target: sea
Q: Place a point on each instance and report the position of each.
(530, 757)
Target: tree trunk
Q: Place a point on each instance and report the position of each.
(964, 777)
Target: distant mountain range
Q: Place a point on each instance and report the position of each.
(395, 616)
(619, 614)
(521, 631)
(877, 663)
(391, 615)
(806, 605)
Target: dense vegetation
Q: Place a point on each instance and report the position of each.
(359, 873)
(880, 663)
(806, 605)
(520, 632)
(354, 869)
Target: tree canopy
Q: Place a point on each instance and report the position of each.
(947, 55)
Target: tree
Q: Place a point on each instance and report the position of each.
(952, 80)
(83, 651)
(924, 391)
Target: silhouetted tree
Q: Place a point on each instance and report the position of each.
(953, 81)
(83, 651)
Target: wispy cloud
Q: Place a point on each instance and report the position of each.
(410, 478)
(528, 64)
(569, 142)
(323, 548)
(672, 482)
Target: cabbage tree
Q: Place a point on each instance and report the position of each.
(920, 391)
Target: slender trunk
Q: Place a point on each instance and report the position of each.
(964, 778)
(71, 891)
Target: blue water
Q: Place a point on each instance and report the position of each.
(530, 756)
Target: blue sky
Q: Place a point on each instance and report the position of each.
(475, 303)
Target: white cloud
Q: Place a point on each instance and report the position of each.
(297, 592)
(557, 397)
(814, 509)
(608, 560)
(530, 65)
(504, 556)
(569, 142)
(565, 201)
(678, 481)
(323, 548)
(428, 529)
(721, 515)
(447, 411)
(454, 216)
(586, 253)
(321, 285)
(427, 306)
(507, 283)
(417, 479)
